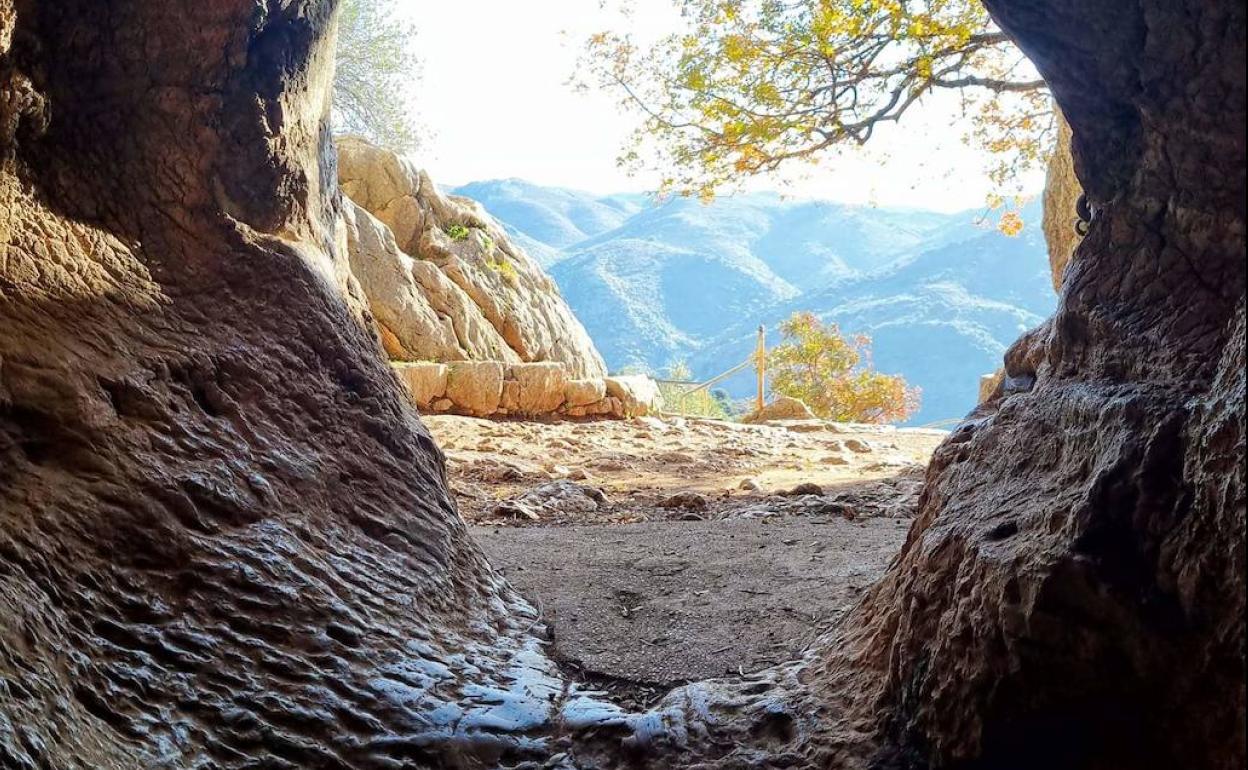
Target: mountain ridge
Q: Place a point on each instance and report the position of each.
(941, 295)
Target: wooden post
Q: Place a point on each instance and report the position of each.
(761, 361)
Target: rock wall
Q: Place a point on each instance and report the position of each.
(1054, 605)
(225, 538)
(1061, 195)
(496, 389)
(443, 280)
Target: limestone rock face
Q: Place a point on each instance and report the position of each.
(1061, 193)
(419, 313)
(635, 394)
(489, 298)
(476, 387)
(540, 387)
(425, 382)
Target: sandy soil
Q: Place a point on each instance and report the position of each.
(661, 551)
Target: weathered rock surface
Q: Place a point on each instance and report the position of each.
(552, 497)
(1061, 194)
(634, 394)
(420, 314)
(446, 281)
(425, 382)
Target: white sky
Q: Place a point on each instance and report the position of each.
(495, 103)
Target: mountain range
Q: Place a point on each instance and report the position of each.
(941, 295)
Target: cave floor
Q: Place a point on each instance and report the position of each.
(661, 551)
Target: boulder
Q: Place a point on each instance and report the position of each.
(579, 393)
(636, 395)
(781, 408)
(540, 387)
(475, 387)
(425, 382)
(687, 500)
(510, 401)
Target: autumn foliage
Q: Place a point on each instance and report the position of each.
(832, 374)
(750, 86)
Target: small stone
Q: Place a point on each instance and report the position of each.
(688, 500)
(854, 445)
(749, 485)
(807, 488)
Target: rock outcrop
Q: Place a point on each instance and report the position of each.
(1061, 196)
(226, 539)
(443, 280)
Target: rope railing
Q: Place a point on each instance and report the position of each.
(949, 423)
(757, 359)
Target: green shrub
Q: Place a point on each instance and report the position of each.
(503, 267)
(457, 232)
(678, 400)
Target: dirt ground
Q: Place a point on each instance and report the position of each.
(665, 550)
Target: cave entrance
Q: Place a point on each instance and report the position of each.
(661, 550)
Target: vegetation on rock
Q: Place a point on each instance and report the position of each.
(831, 373)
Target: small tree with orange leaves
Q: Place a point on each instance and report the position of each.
(832, 374)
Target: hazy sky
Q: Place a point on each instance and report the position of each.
(495, 99)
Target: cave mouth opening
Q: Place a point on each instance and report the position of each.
(234, 584)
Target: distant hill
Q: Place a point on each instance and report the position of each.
(941, 317)
(941, 296)
(546, 220)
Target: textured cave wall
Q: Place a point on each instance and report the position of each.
(1072, 594)
(225, 540)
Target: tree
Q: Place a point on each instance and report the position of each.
(832, 374)
(753, 85)
(375, 68)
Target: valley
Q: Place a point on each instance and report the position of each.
(942, 295)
